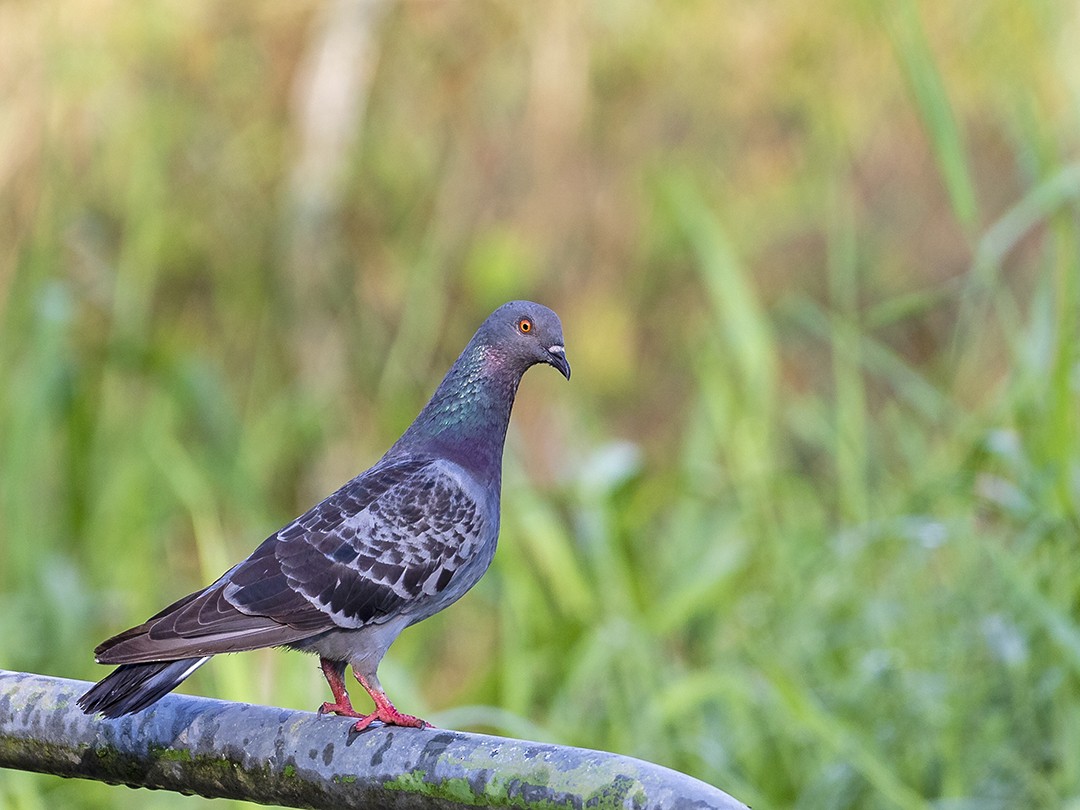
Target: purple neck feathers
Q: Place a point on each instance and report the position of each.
(467, 417)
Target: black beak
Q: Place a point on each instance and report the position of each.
(556, 356)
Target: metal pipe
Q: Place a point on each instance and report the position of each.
(261, 754)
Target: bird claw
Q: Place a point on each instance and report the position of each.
(389, 716)
(340, 709)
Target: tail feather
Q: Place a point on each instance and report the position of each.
(132, 687)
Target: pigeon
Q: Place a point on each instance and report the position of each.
(392, 547)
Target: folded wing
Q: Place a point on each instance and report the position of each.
(385, 543)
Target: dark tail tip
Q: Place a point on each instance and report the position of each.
(132, 687)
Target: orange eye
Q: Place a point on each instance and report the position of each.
(525, 325)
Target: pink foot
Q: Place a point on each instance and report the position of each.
(334, 672)
(341, 709)
(391, 717)
(384, 709)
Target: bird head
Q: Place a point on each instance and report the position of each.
(527, 334)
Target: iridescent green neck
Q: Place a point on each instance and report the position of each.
(467, 417)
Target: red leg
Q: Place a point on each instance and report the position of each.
(384, 709)
(335, 676)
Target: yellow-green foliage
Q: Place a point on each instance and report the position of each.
(805, 522)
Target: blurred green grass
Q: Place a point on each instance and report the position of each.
(803, 524)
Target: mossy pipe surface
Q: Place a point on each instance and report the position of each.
(299, 759)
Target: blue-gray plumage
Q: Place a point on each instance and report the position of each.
(392, 547)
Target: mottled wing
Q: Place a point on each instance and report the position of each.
(385, 543)
(360, 560)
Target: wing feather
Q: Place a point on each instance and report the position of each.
(383, 543)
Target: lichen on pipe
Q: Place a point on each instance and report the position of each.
(219, 749)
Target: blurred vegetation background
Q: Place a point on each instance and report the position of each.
(805, 522)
